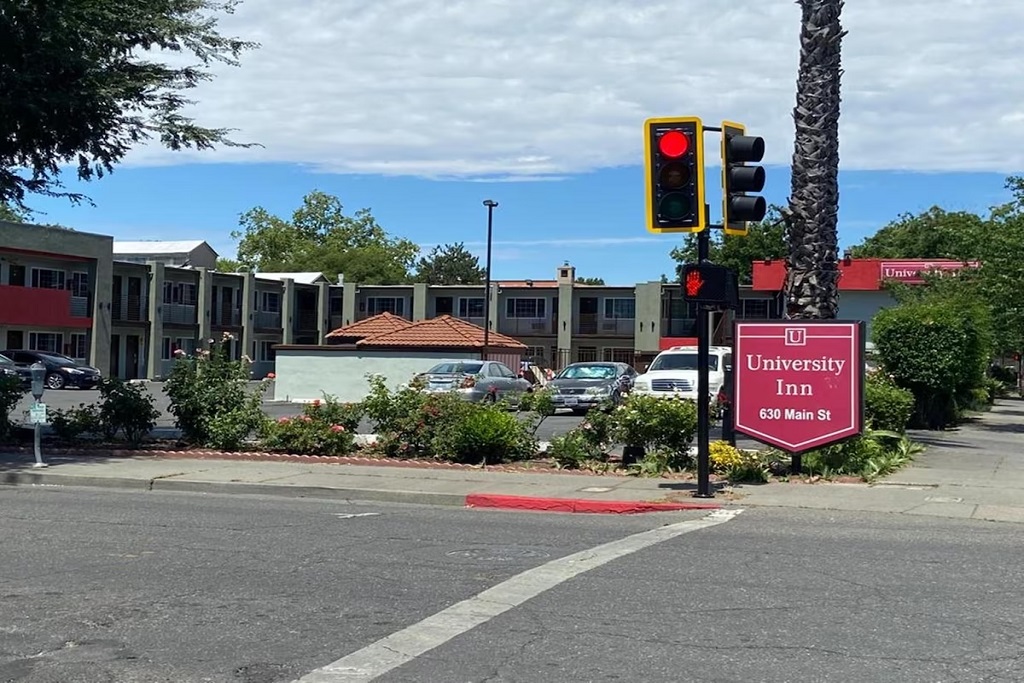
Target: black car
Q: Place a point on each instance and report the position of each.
(61, 371)
(8, 368)
(582, 386)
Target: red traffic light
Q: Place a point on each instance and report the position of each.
(674, 144)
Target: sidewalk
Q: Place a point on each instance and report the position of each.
(974, 472)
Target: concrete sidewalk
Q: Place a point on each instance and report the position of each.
(974, 472)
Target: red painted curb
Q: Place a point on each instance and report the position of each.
(614, 507)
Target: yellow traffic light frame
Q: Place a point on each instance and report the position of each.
(741, 228)
(650, 209)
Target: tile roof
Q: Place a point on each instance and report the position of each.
(368, 327)
(442, 332)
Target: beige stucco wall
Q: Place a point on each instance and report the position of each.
(306, 374)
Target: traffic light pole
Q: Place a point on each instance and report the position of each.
(704, 489)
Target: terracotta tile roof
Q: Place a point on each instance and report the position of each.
(442, 332)
(369, 327)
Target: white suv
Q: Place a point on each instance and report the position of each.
(673, 374)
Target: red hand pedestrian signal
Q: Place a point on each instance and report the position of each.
(694, 282)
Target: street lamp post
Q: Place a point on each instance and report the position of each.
(490, 204)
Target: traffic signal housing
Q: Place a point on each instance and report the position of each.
(710, 284)
(674, 174)
(739, 180)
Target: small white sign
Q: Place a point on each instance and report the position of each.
(37, 414)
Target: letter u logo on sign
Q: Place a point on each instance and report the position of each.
(796, 336)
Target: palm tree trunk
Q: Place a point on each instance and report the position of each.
(812, 277)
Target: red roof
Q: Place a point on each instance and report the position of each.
(369, 327)
(441, 332)
(866, 275)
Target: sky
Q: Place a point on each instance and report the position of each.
(421, 109)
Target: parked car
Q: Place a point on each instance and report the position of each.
(8, 368)
(673, 373)
(583, 386)
(61, 371)
(475, 380)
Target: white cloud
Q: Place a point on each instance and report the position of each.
(533, 88)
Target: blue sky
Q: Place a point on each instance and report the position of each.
(594, 220)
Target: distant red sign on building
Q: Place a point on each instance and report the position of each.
(912, 272)
(799, 384)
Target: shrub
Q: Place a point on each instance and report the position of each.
(575, 450)
(657, 424)
(209, 397)
(887, 406)
(936, 349)
(388, 410)
(334, 412)
(311, 433)
(724, 456)
(486, 434)
(752, 467)
(126, 409)
(72, 424)
(10, 394)
(870, 455)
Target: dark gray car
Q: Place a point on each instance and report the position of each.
(582, 386)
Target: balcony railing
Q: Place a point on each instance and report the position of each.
(80, 307)
(267, 320)
(479, 322)
(306, 320)
(678, 327)
(40, 307)
(179, 314)
(596, 325)
(526, 327)
(130, 308)
(335, 321)
(226, 318)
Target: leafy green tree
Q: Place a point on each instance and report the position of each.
(321, 238)
(765, 240)
(81, 84)
(226, 265)
(933, 234)
(598, 281)
(450, 264)
(14, 214)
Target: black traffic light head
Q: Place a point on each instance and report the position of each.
(674, 168)
(739, 180)
(710, 284)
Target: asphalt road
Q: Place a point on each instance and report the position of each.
(71, 398)
(131, 587)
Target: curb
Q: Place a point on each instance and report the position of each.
(578, 505)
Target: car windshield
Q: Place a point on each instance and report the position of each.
(4, 360)
(587, 372)
(455, 369)
(58, 360)
(681, 361)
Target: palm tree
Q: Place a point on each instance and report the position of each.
(812, 277)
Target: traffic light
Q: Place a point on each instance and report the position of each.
(674, 167)
(739, 179)
(707, 283)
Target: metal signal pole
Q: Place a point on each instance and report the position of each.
(704, 489)
(490, 204)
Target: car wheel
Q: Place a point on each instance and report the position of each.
(55, 381)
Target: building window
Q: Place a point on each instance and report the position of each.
(270, 302)
(679, 309)
(183, 293)
(47, 278)
(759, 309)
(586, 354)
(79, 347)
(375, 305)
(620, 309)
(48, 342)
(612, 354)
(535, 353)
(265, 352)
(526, 308)
(80, 285)
(471, 308)
(170, 345)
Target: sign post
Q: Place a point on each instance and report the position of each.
(799, 383)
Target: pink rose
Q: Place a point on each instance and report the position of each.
(337, 428)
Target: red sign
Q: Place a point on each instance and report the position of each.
(911, 272)
(799, 384)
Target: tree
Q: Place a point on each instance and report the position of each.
(226, 265)
(933, 234)
(765, 240)
(598, 281)
(81, 85)
(321, 238)
(14, 214)
(450, 264)
(812, 270)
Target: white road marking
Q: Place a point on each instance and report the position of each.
(403, 646)
(350, 515)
